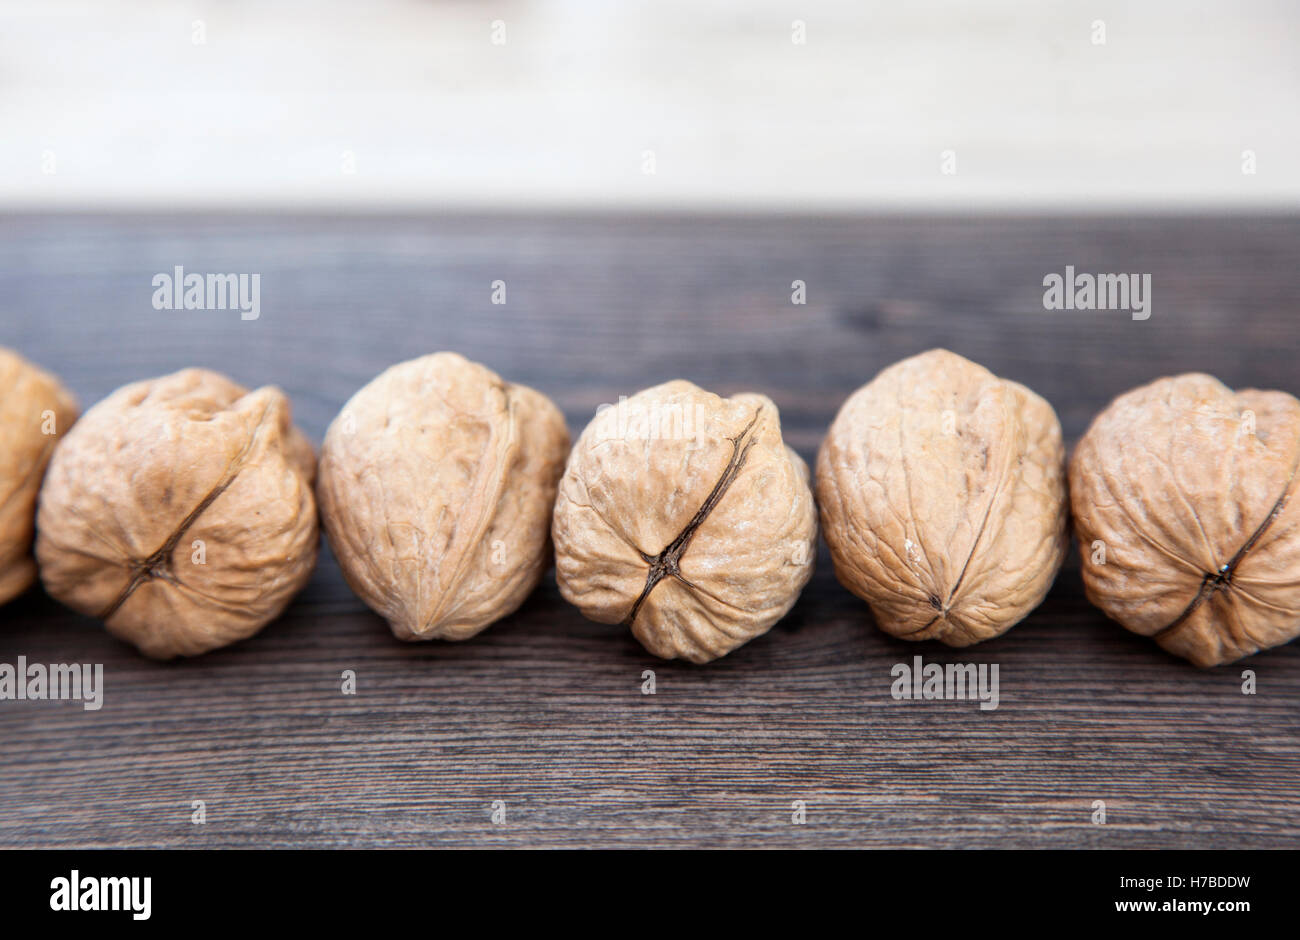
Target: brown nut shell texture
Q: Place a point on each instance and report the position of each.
(684, 516)
(35, 412)
(436, 486)
(1185, 506)
(179, 511)
(942, 495)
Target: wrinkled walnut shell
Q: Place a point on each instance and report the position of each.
(942, 496)
(1185, 506)
(684, 516)
(179, 511)
(436, 486)
(35, 412)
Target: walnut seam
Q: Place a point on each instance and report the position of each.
(666, 563)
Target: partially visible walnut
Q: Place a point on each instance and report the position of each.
(179, 511)
(436, 486)
(942, 498)
(35, 411)
(1186, 509)
(684, 516)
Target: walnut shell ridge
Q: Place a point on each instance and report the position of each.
(35, 412)
(179, 511)
(1185, 506)
(685, 516)
(943, 501)
(436, 485)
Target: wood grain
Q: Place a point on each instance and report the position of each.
(544, 710)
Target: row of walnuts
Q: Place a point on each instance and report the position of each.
(182, 511)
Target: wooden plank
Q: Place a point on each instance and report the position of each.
(544, 710)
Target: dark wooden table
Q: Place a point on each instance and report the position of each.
(544, 710)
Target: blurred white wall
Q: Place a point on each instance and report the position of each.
(405, 104)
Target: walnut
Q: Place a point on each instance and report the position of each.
(685, 516)
(436, 486)
(35, 411)
(179, 511)
(942, 497)
(1184, 498)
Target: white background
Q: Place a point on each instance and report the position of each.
(399, 104)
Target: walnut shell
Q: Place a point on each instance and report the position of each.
(436, 486)
(685, 516)
(35, 412)
(942, 495)
(1184, 498)
(179, 511)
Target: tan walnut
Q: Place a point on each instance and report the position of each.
(942, 496)
(436, 486)
(179, 511)
(35, 412)
(1188, 519)
(684, 516)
